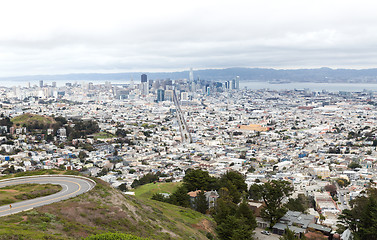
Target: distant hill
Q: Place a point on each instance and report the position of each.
(29, 119)
(253, 74)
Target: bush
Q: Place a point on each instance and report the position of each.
(114, 236)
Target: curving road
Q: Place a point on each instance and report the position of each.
(72, 186)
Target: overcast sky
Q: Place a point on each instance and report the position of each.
(57, 37)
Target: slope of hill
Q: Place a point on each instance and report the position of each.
(105, 209)
(29, 119)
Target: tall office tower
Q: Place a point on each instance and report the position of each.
(169, 82)
(53, 84)
(184, 96)
(156, 84)
(108, 85)
(169, 95)
(144, 88)
(144, 78)
(193, 87)
(233, 84)
(208, 90)
(191, 77)
(238, 82)
(150, 81)
(227, 83)
(41, 83)
(160, 95)
(132, 82)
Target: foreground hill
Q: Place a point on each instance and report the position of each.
(105, 209)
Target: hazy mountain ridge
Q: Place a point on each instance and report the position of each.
(254, 74)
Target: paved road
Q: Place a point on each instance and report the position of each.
(72, 186)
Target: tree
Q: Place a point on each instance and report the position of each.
(147, 178)
(272, 194)
(289, 235)
(300, 204)
(354, 165)
(331, 188)
(201, 204)
(236, 178)
(123, 187)
(342, 182)
(180, 197)
(234, 222)
(103, 172)
(197, 179)
(83, 155)
(114, 236)
(245, 212)
(159, 197)
(235, 183)
(362, 218)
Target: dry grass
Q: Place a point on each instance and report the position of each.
(21, 192)
(106, 209)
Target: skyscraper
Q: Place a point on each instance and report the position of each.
(233, 84)
(144, 78)
(227, 85)
(41, 83)
(144, 88)
(160, 95)
(238, 82)
(191, 77)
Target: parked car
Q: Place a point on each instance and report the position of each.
(265, 232)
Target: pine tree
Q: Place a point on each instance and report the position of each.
(201, 204)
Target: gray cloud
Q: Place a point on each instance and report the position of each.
(116, 36)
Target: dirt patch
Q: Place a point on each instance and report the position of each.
(24, 218)
(205, 225)
(9, 190)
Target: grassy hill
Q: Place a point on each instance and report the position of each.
(30, 119)
(106, 209)
(146, 191)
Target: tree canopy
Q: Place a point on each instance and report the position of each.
(299, 204)
(272, 194)
(234, 222)
(197, 179)
(362, 218)
(114, 236)
(235, 183)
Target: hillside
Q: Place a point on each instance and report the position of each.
(146, 191)
(32, 119)
(102, 210)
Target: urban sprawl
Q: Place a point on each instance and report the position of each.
(121, 132)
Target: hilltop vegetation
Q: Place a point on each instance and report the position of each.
(114, 236)
(102, 210)
(33, 121)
